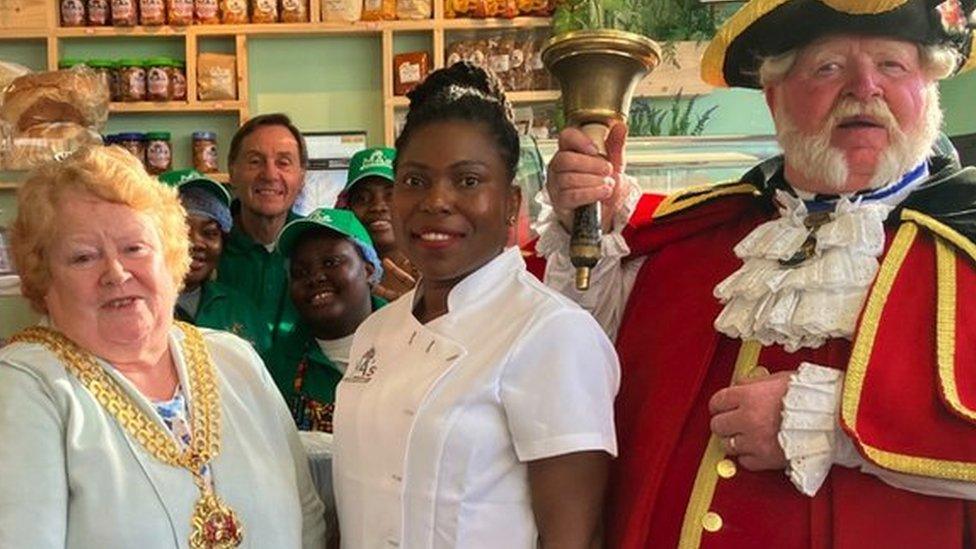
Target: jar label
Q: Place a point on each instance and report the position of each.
(206, 9)
(267, 6)
(158, 82)
(179, 85)
(98, 11)
(291, 6)
(152, 9)
(409, 73)
(137, 83)
(122, 9)
(205, 155)
(237, 7)
(158, 155)
(182, 9)
(72, 13)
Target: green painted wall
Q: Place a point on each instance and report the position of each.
(323, 83)
(959, 104)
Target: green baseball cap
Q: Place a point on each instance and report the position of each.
(374, 162)
(180, 179)
(343, 222)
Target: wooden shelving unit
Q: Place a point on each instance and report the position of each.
(177, 106)
(40, 20)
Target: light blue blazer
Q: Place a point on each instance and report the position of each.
(71, 477)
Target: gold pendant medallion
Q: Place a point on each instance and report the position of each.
(215, 525)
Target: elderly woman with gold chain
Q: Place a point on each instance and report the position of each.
(118, 427)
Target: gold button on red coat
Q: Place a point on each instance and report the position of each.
(726, 468)
(712, 522)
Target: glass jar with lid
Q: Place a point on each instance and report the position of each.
(205, 152)
(72, 13)
(125, 13)
(158, 71)
(152, 13)
(159, 152)
(180, 12)
(132, 80)
(177, 80)
(103, 68)
(134, 142)
(99, 13)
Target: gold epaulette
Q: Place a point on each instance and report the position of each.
(693, 196)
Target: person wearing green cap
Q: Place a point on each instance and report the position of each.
(204, 301)
(368, 192)
(332, 266)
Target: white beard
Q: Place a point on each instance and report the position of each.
(812, 155)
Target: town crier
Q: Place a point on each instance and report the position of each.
(798, 347)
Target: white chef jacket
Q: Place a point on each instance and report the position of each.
(435, 422)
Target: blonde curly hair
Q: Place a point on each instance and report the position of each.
(111, 174)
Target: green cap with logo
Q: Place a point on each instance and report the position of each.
(185, 179)
(374, 162)
(343, 222)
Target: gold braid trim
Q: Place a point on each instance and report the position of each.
(946, 243)
(706, 479)
(945, 327)
(693, 196)
(861, 358)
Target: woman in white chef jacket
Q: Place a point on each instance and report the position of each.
(477, 410)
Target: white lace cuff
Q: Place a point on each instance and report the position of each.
(554, 239)
(810, 431)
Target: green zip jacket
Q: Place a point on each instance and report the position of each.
(224, 308)
(247, 266)
(321, 376)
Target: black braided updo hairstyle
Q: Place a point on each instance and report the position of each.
(467, 92)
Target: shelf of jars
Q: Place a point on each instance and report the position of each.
(273, 29)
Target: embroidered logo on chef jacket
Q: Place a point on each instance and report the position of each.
(365, 368)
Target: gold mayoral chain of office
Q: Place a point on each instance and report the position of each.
(214, 525)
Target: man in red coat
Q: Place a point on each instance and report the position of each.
(798, 348)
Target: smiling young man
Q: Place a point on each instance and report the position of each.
(332, 266)
(267, 163)
(796, 347)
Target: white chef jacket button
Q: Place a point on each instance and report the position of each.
(408, 412)
(392, 543)
(397, 478)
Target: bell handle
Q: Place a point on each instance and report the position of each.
(597, 132)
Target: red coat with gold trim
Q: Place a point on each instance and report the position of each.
(909, 400)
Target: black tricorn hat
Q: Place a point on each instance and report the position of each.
(763, 28)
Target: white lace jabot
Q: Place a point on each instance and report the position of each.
(820, 298)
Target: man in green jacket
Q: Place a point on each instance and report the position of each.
(332, 268)
(203, 301)
(267, 163)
